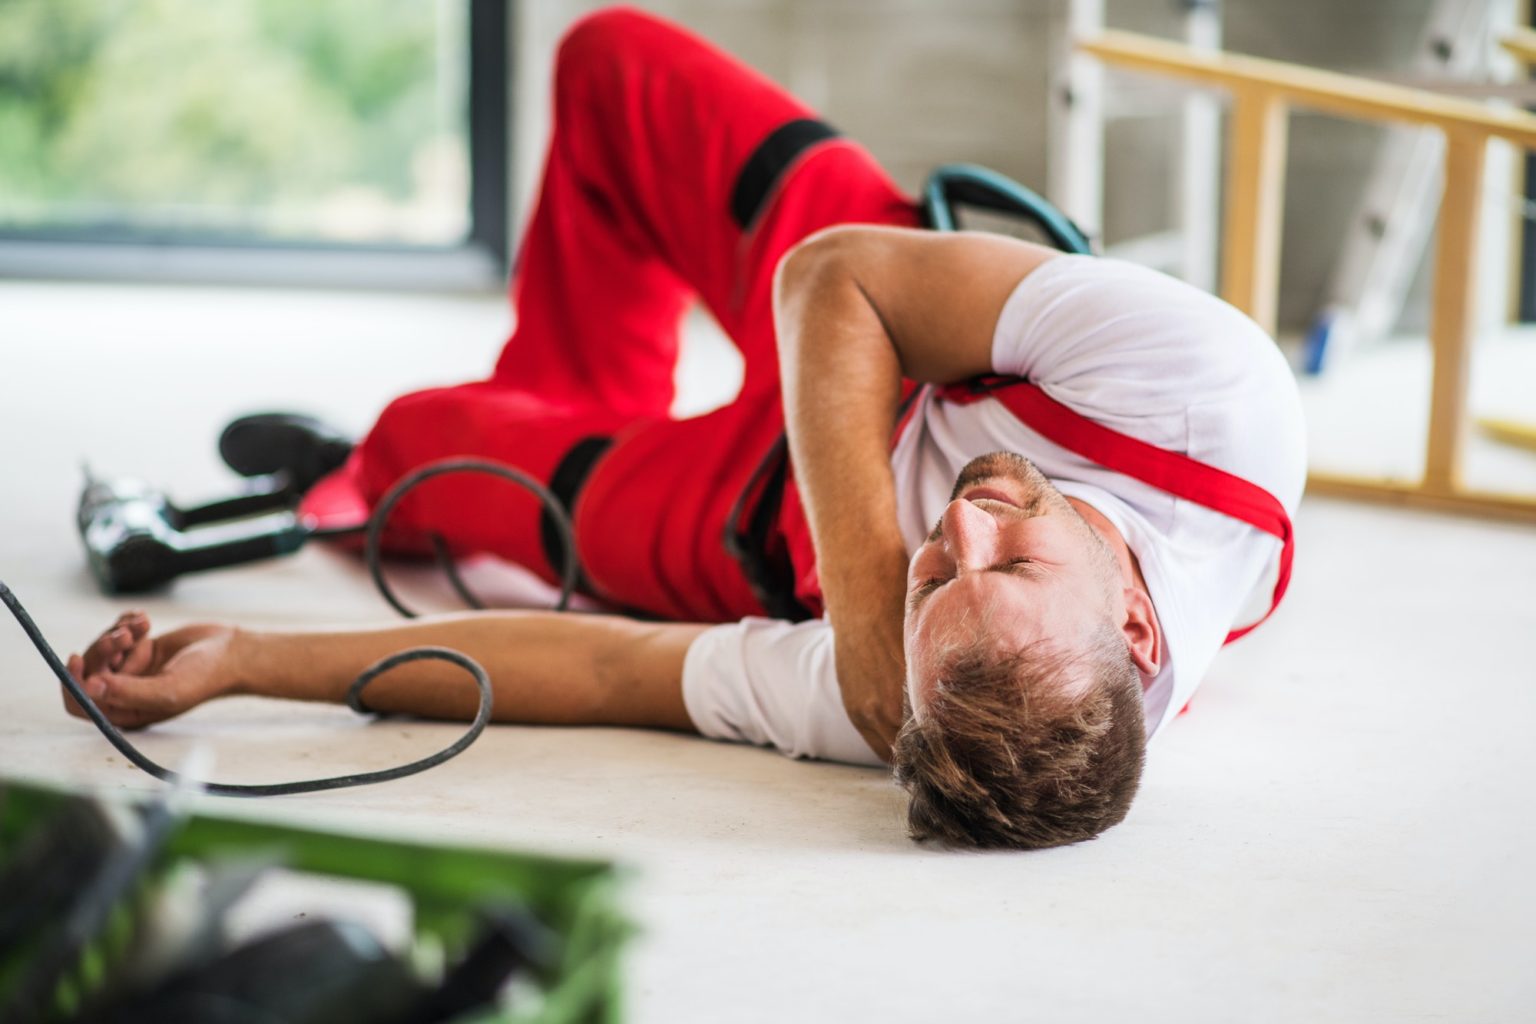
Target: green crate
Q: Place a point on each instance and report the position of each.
(576, 900)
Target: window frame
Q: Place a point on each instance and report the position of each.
(479, 263)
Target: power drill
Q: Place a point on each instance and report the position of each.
(137, 539)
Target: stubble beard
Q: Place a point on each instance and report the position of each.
(1038, 493)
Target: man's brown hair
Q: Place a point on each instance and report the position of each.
(1012, 752)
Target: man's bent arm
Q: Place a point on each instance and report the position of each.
(545, 668)
(856, 309)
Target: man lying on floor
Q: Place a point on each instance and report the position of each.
(1007, 601)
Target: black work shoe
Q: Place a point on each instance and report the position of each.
(301, 448)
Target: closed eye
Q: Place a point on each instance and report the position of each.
(1028, 568)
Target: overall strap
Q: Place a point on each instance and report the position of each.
(1177, 474)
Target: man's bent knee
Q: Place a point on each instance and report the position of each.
(595, 39)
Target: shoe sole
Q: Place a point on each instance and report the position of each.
(301, 447)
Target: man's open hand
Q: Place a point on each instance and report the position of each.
(138, 680)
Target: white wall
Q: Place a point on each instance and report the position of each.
(922, 83)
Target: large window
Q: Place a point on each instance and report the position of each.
(284, 133)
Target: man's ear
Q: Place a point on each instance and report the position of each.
(1141, 631)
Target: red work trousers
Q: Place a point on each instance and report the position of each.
(661, 144)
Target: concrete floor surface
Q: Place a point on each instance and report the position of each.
(1340, 829)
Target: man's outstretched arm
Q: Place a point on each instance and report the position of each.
(545, 668)
(856, 309)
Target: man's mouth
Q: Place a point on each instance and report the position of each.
(989, 493)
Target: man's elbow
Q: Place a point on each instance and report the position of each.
(817, 260)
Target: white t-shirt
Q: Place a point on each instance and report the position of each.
(1135, 350)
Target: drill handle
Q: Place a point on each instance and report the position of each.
(212, 547)
(255, 502)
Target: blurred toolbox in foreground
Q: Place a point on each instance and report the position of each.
(123, 911)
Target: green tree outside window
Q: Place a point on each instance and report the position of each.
(283, 120)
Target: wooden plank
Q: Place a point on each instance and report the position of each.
(1075, 119)
(1197, 190)
(1488, 505)
(1312, 88)
(1512, 432)
(1453, 306)
(1521, 44)
(1250, 271)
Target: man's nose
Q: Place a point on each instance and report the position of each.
(971, 535)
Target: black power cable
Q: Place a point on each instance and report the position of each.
(553, 506)
(375, 532)
(354, 700)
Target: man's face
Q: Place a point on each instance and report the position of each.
(1010, 563)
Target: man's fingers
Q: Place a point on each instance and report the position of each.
(122, 643)
(137, 659)
(112, 646)
(93, 658)
(153, 697)
(99, 655)
(122, 718)
(126, 705)
(76, 666)
(92, 685)
(137, 624)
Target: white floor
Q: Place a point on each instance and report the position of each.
(1340, 830)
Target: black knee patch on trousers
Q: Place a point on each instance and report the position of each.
(768, 163)
(565, 483)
